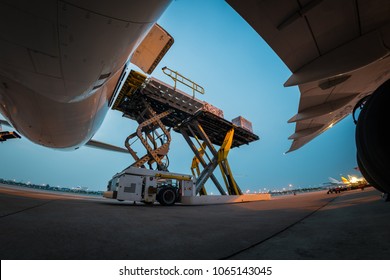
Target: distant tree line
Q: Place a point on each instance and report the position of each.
(50, 188)
(295, 191)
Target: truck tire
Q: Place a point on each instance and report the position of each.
(167, 196)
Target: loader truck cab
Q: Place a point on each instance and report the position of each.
(148, 186)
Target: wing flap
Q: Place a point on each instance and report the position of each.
(6, 135)
(354, 55)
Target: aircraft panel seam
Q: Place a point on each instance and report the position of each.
(103, 15)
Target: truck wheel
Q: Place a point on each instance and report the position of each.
(167, 196)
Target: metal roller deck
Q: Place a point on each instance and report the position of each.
(163, 97)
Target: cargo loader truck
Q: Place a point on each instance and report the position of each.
(148, 186)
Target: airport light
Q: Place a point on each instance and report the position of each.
(353, 179)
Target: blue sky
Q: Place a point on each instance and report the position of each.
(242, 76)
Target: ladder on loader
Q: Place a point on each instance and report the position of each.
(146, 132)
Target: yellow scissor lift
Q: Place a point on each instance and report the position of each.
(158, 108)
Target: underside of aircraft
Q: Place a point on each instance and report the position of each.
(62, 63)
(339, 56)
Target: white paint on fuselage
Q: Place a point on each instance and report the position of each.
(60, 62)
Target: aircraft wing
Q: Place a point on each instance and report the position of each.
(91, 143)
(7, 135)
(334, 49)
(100, 145)
(4, 122)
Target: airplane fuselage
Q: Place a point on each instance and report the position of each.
(61, 61)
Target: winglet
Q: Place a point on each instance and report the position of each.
(345, 180)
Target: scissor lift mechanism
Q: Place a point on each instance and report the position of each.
(157, 106)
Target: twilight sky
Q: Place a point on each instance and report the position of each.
(242, 76)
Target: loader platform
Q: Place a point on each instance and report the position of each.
(163, 97)
(158, 108)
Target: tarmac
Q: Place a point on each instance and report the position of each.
(352, 225)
